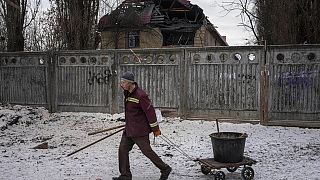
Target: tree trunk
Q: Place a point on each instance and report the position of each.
(77, 18)
(289, 21)
(14, 21)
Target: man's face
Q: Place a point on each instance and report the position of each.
(125, 84)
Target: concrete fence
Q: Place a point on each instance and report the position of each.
(277, 84)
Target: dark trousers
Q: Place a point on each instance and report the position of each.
(143, 143)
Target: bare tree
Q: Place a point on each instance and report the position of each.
(275, 21)
(77, 20)
(44, 33)
(107, 6)
(247, 11)
(289, 21)
(53, 36)
(17, 15)
(38, 33)
(2, 35)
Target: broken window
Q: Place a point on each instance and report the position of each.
(177, 38)
(133, 39)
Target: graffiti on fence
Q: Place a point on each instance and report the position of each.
(297, 78)
(294, 88)
(100, 77)
(246, 83)
(249, 84)
(245, 78)
(227, 75)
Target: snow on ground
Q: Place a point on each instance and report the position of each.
(281, 152)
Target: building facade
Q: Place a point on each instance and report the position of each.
(157, 24)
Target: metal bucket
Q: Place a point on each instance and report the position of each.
(228, 147)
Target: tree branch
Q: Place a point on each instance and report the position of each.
(12, 4)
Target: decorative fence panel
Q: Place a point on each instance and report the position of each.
(294, 84)
(157, 71)
(23, 78)
(84, 81)
(224, 81)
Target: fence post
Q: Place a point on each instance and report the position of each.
(114, 84)
(51, 85)
(184, 100)
(264, 96)
(264, 86)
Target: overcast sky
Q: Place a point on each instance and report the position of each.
(227, 25)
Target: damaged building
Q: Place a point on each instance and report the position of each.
(156, 24)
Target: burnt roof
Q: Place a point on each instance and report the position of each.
(168, 15)
(163, 12)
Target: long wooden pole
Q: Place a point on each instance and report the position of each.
(95, 142)
(217, 125)
(105, 130)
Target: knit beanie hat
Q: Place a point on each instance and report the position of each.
(128, 76)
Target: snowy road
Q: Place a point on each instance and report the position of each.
(281, 152)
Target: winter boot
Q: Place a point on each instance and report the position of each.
(165, 173)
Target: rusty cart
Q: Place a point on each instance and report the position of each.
(228, 150)
(210, 166)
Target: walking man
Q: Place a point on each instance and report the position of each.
(140, 118)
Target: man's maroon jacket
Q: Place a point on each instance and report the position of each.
(140, 116)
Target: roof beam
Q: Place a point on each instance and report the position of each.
(172, 4)
(177, 9)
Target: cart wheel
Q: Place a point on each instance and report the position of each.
(232, 169)
(219, 175)
(247, 173)
(205, 169)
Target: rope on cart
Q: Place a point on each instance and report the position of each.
(167, 140)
